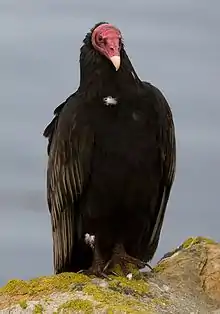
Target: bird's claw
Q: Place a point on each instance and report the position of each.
(94, 272)
(123, 260)
(80, 271)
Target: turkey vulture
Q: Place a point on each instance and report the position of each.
(111, 162)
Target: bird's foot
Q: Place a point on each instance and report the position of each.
(134, 261)
(95, 272)
(122, 260)
(118, 266)
(97, 269)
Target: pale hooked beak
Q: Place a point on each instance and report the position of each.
(116, 60)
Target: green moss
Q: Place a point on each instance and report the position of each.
(38, 309)
(122, 284)
(196, 240)
(114, 300)
(43, 285)
(160, 301)
(160, 267)
(130, 268)
(16, 290)
(76, 305)
(124, 309)
(117, 269)
(23, 304)
(48, 300)
(190, 241)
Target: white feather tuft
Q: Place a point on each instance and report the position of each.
(90, 240)
(110, 101)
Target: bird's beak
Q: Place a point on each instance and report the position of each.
(116, 60)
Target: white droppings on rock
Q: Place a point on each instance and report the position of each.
(129, 276)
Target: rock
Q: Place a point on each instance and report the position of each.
(186, 280)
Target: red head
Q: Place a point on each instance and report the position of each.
(106, 39)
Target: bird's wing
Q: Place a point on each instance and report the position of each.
(67, 175)
(51, 127)
(168, 157)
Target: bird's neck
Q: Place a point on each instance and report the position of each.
(99, 78)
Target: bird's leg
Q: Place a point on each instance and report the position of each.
(98, 264)
(97, 268)
(122, 259)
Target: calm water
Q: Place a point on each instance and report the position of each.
(173, 44)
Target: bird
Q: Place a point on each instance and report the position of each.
(111, 162)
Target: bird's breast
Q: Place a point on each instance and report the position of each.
(124, 127)
(126, 153)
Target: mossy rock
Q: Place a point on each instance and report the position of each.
(196, 240)
(38, 309)
(77, 305)
(188, 243)
(155, 292)
(133, 287)
(23, 304)
(120, 294)
(19, 291)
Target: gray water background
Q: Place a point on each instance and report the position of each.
(173, 44)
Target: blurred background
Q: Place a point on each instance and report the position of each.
(173, 44)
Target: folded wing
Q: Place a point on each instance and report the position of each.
(167, 145)
(70, 151)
